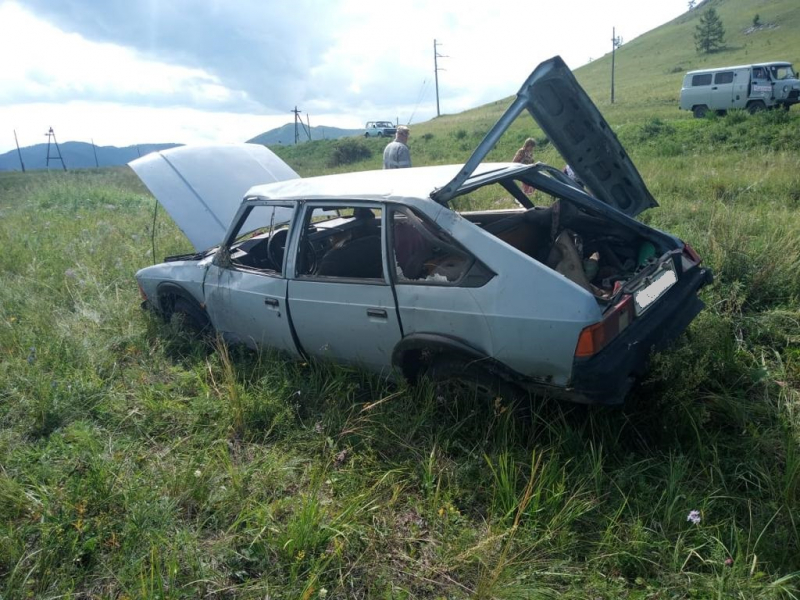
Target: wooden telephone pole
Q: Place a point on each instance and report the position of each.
(616, 42)
(436, 70)
(19, 153)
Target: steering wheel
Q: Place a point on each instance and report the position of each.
(276, 247)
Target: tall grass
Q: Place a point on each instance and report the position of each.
(137, 463)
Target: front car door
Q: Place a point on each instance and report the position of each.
(340, 297)
(761, 85)
(245, 286)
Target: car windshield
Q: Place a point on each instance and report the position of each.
(780, 72)
(263, 220)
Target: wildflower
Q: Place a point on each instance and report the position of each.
(198, 473)
(32, 355)
(323, 592)
(729, 562)
(694, 517)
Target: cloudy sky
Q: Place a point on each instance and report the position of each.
(192, 71)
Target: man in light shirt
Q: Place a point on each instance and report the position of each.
(397, 155)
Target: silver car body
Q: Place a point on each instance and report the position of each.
(496, 306)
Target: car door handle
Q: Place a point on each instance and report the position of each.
(377, 312)
(713, 88)
(271, 301)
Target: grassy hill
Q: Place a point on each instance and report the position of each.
(649, 72)
(135, 463)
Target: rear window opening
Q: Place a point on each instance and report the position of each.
(600, 256)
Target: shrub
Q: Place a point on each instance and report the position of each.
(348, 151)
(736, 116)
(427, 136)
(460, 134)
(655, 128)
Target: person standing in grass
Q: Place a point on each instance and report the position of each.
(397, 155)
(525, 156)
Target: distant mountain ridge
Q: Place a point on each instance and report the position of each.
(285, 134)
(76, 155)
(80, 155)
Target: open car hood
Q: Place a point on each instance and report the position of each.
(201, 187)
(577, 130)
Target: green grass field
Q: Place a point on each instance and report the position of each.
(136, 463)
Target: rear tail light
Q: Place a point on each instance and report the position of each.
(691, 254)
(595, 337)
(141, 291)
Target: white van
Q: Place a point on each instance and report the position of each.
(753, 87)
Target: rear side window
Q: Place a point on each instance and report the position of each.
(704, 79)
(725, 77)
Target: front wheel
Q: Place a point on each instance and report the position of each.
(190, 318)
(757, 106)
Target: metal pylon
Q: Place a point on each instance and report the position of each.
(51, 136)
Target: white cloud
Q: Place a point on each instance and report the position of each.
(47, 64)
(228, 71)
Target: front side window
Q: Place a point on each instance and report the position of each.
(423, 253)
(341, 242)
(698, 80)
(724, 77)
(259, 241)
(780, 72)
(760, 73)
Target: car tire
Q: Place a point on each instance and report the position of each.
(455, 378)
(366, 134)
(380, 134)
(190, 318)
(700, 111)
(757, 106)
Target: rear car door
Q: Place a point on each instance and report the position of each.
(245, 287)
(722, 91)
(340, 298)
(741, 80)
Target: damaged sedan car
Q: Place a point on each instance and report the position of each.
(393, 271)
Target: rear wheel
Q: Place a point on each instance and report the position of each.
(366, 134)
(456, 379)
(756, 106)
(700, 111)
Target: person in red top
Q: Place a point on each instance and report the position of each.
(525, 156)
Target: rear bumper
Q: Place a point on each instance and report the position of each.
(608, 376)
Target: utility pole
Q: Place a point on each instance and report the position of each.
(16, 141)
(616, 42)
(297, 119)
(94, 149)
(51, 135)
(308, 118)
(436, 70)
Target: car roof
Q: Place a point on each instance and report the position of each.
(415, 182)
(776, 63)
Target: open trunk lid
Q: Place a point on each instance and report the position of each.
(563, 110)
(201, 187)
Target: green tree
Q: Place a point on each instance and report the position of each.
(709, 34)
